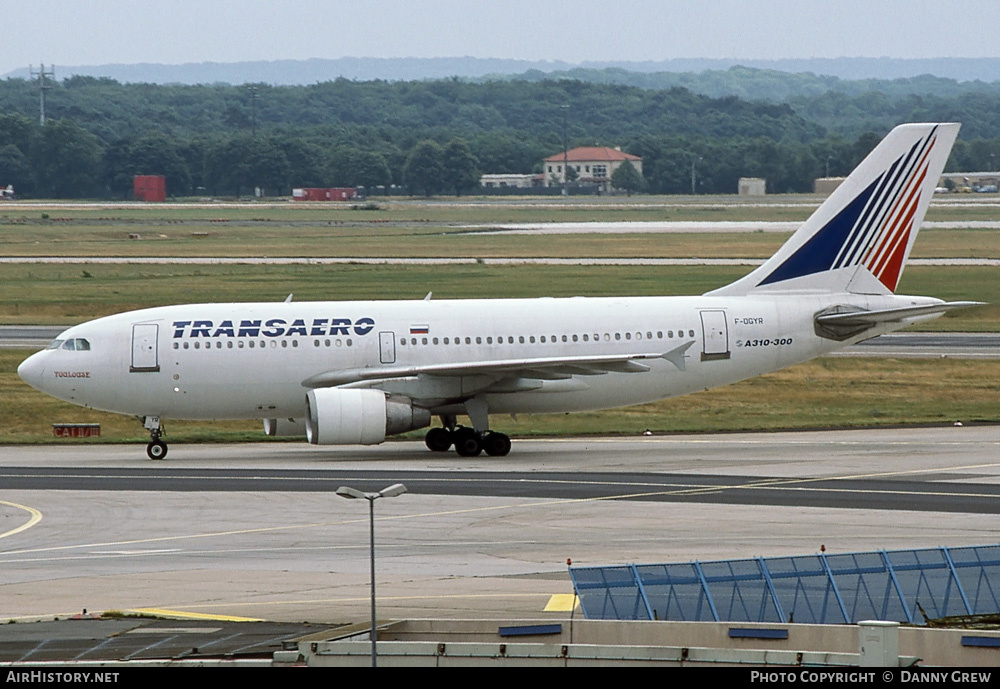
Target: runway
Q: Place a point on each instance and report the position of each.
(255, 530)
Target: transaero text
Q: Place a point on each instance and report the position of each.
(274, 327)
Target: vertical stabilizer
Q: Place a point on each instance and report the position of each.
(859, 239)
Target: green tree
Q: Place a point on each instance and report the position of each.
(424, 170)
(628, 178)
(460, 167)
(352, 167)
(15, 170)
(67, 160)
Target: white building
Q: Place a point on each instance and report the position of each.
(593, 165)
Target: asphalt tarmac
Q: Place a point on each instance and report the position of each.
(256, 530)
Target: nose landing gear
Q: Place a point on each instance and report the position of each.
(156, 449)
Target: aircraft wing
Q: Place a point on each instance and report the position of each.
(546, 368)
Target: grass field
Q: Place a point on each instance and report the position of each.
(71, 293)
(442, 228)
(824, 393)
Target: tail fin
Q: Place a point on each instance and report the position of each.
(859, 239)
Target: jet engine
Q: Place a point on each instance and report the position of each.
(359, 417)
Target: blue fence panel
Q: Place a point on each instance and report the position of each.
(926, 580)
(609, 593)
(978, 571)
(866, 587)
(823, 589)
(676, 592)
(740, 591)
(805, 590)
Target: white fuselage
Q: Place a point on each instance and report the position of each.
(238, 361)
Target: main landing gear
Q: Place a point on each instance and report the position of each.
(468, 442)
(157, 449)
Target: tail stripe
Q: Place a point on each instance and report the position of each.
(860, 242)
(912, 187)
(873, 230)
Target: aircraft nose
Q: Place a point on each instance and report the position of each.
(32, 370)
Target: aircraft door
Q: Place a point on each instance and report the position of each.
(145, 358)
(387, 347)
(715, 335)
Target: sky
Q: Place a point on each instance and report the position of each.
(96, 32)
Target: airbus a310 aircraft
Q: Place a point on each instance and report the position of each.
(356, 372)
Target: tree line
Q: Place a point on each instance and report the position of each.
(436, 136)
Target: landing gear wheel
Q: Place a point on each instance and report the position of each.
(468, 443)
(496, 444)
(157, 449)
(438, 439)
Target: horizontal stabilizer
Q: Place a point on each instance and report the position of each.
(868, 318)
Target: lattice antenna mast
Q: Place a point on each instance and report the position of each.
(43, 86)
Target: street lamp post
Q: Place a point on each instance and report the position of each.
(354, 494)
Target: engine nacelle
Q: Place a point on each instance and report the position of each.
(283, 428)
(359, 417)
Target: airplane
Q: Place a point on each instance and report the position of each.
(345, 373)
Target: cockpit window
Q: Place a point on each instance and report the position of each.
(78, 344)
(56, 344)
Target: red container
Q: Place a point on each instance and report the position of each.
(149, 188)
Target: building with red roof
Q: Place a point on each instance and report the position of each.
(593, 165)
